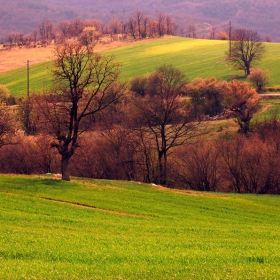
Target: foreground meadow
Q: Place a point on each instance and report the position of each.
(194, 57)
(99, 229)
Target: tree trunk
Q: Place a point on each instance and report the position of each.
(65, 168)
(248, 70)
(246, 127)
(164, 181)
(162, 162)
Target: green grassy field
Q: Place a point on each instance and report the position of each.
(98, 229)
(269, 108)
(195, 57)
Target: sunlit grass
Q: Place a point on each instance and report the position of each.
(133, 231)
(195, 57)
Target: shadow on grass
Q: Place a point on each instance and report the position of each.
(31, 183)
(240, 78)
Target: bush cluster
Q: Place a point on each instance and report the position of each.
(241, 163)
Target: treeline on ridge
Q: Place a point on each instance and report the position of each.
(24, 16)
(138, 26)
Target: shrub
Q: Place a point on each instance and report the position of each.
(259, 78)
(4, 94)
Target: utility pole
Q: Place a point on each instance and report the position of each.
(28, 109)
(27, 78)
(229, 38)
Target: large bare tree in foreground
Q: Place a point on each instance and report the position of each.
(86, 83)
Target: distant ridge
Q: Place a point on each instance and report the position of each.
(263, 16)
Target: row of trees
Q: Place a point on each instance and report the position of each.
(243, 164)
(211, 99)
(138, 26)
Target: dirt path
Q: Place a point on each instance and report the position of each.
(79, 205)
(269, 94)
(266, 108)
(93, 208)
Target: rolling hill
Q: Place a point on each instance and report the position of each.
(195, 57)
(263, 16)
(101, 229)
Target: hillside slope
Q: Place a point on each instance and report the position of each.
(101, 229)
(24, 16)
(195, 57)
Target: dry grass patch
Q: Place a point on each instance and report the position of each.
(17, 57)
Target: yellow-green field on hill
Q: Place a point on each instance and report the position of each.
(195, 57)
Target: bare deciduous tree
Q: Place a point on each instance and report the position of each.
(27, 115)
(171, 26)
(165, 115)
(114, 26)
(86, 84)
(77, 27)
(250, 164)
(191, 31)
(161, 24)
(247, 49)
(64, 28)
(132, 25)
(139, 18)
(198, 165)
